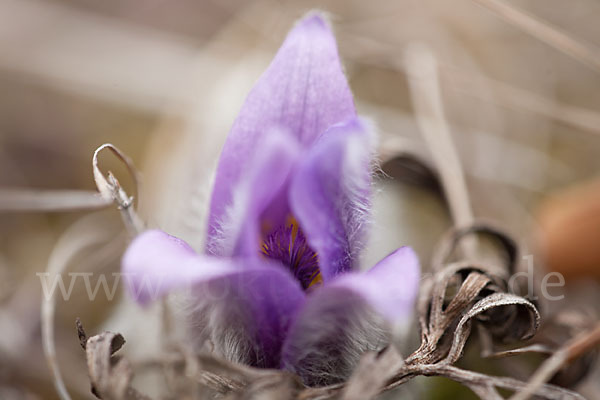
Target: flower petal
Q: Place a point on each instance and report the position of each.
(303, 90)
(243, 310)
(263, 185)
(391, 286)
(353, 314)
(330, 195)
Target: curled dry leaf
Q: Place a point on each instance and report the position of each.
(110, 375)
(110, 188)
(440, 315)
(524, 329)
(106, 186)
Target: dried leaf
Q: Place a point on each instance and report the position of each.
(107, 187)
(371, 374)
(524, 329)
(110, 188)
(110, 375)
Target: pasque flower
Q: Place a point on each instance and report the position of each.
(277, 285)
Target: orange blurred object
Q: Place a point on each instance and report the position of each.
(569, 231)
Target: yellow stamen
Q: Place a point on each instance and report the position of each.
(316, 280)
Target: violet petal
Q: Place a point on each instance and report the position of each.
(261, 187)
(353, 314)
(257, 297)
(304, 90)
(330, 196)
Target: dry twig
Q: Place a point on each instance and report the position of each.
(584, 53)
(50, 200)
(570, 351)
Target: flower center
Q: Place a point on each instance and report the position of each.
(288, 245)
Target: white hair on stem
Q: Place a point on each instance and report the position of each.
(329, 337)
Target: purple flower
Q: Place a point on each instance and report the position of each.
(277, 285)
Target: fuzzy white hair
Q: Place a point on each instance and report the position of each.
(222, 327)
(326, 344)
(357, 166)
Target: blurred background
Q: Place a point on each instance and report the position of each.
(163, 81)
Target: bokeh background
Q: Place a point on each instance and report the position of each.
(163, 81)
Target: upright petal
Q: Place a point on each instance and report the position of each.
(263, 185)
(330, 195)
(243, 310)
(303, 90)
(353, 314)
